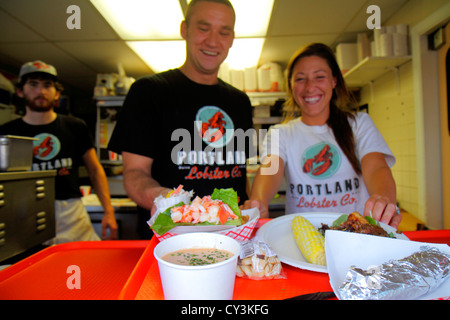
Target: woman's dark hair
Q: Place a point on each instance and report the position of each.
(342, 104)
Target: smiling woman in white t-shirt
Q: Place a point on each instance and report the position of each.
(334, 160)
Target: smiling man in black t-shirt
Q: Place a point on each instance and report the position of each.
(186, 126)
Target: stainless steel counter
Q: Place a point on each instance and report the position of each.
(20, 175)
(27, 210)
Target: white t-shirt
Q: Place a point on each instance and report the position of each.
(319, 177)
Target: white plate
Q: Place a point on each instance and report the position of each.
(277, 233)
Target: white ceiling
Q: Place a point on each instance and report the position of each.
(31, 30)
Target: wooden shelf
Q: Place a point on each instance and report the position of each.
(110, 101)
(371, 68)
(265, 98)
(263, 101)
(268, 120)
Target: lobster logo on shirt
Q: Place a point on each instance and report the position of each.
(214, 126)
(215, 122)
(321, 160)
(46, 147)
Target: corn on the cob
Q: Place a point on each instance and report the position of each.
(309, 240)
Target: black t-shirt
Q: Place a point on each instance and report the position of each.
(60, 146)
(197, 135)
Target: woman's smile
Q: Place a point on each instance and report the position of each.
(312, 99)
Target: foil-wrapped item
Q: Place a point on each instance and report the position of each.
(404, 279)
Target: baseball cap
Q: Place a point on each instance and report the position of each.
(37, 66)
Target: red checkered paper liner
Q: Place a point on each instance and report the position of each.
(239, 233)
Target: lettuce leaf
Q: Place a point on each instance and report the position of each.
(163, 223)
(228, 196)
(341, 219)
(371, 220)
(344, 217)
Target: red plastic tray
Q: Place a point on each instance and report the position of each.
(431, 236)
(104, 266)
(145, 284)
(127, 270)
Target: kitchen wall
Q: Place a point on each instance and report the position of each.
(391, 106)
(443, 54)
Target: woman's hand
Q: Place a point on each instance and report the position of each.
(381, 209)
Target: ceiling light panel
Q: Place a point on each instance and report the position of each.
(160, 55)
(142, 19)
(245, 53)
(252, 17)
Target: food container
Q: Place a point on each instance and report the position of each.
(204, 282)
(241, 233)
(16, 153)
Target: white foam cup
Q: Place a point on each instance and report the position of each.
(205, 282)
(85, 190)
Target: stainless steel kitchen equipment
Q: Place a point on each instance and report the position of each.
(27, 210)
(16, 153)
